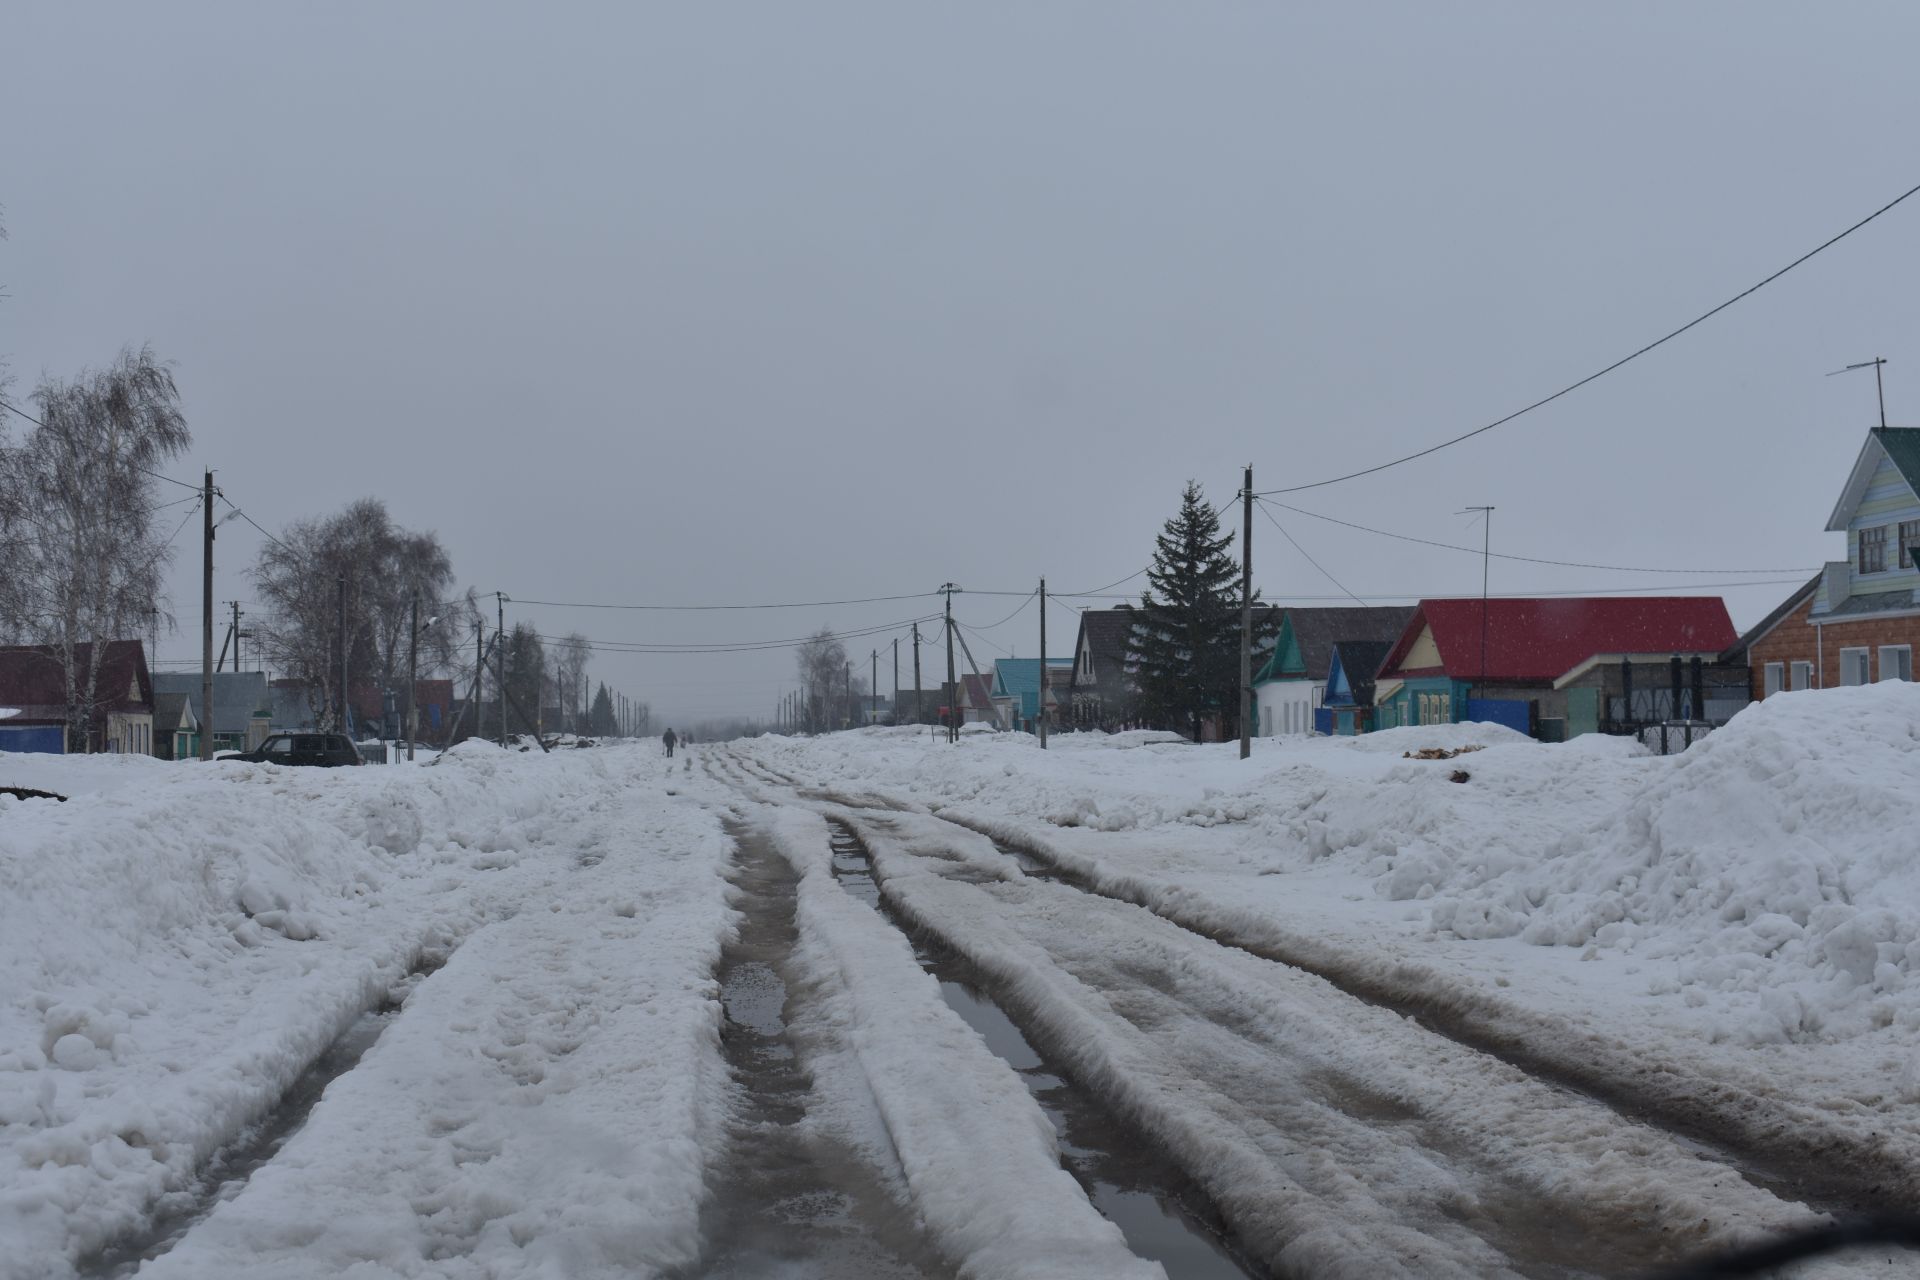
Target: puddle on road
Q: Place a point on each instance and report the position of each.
(783, 1205)
(1163, 1215)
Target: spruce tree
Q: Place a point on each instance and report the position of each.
(600, 719)
(1186, 637)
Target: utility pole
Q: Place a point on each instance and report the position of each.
(1246, 615)
(236, 635)
(953, 686)
(896, 679)
(873, 687)
(500, 657)
(206, 620)
(1040, 721)
(479, 669)
(846, 705)
(1486, 557)
(413, 666)
(919, 711)
(343, 653)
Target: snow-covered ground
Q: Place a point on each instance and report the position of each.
(1732, 934)
(179, 942)
(1720, 951)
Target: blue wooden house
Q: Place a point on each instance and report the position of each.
(1016, 689)
(1347, 708)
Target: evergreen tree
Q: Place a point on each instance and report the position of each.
(526, 672)
(600, 719)
(1186, 637)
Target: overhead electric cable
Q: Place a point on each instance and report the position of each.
(698, 608)
(1274, 521)
(1500, 555)
(1595, 376)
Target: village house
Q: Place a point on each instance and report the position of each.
(242, 710)
(1347, 708)
(1099, 694)
(1017, 689)
(1289, 686)
(1858, 621)
(33, 692)
(1558, 668)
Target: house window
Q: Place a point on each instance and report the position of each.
(1909, 534)
(1873, 549)
(1803, 675)
(1896, 662)
(1853, 666)
(1775, 678)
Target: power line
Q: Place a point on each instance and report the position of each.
(10, 407)
(723, 646)
(698, 608)
(1016, 613)
(1274, 521)
(1497, 555)
(1656, 588)
(1592, 377)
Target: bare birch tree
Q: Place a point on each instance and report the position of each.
(300, 579)
(78, 525)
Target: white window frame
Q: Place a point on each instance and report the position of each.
(1774, 679)
(1801, 674)
(1865, 656)
(1900, 658)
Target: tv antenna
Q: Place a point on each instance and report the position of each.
(1878, 385)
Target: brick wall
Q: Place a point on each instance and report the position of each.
(1795, 641)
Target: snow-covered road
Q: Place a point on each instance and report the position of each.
(873, 1006)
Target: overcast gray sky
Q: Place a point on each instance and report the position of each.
(737, 303)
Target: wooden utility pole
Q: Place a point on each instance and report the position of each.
(953, 686)
(1246, 616)
(500, 658)
(236, 635)
(479, 669)
(413, 666)
(896, 679)
(206, 620)
(919, 711)
(342, 607)
(1040, 721)
(1486, 558)
(873, 686)
(846, 705)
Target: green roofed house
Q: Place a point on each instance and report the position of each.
(1016, 689)
(1292, 683)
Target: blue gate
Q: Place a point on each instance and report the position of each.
(1511, 712)
(1323, 720)
(42, 739)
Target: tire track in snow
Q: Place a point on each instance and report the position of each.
(1375, 1106)
(1775, 1142)
(1430, 1160)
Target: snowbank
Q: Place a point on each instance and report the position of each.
(179, 941)
(544, 1105)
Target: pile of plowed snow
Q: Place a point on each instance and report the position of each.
(1779, 855)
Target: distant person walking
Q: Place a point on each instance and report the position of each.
(669, 739)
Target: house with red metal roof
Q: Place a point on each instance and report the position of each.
(1557, 668)
(33, 696)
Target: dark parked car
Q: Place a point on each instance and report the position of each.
(323, 749)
